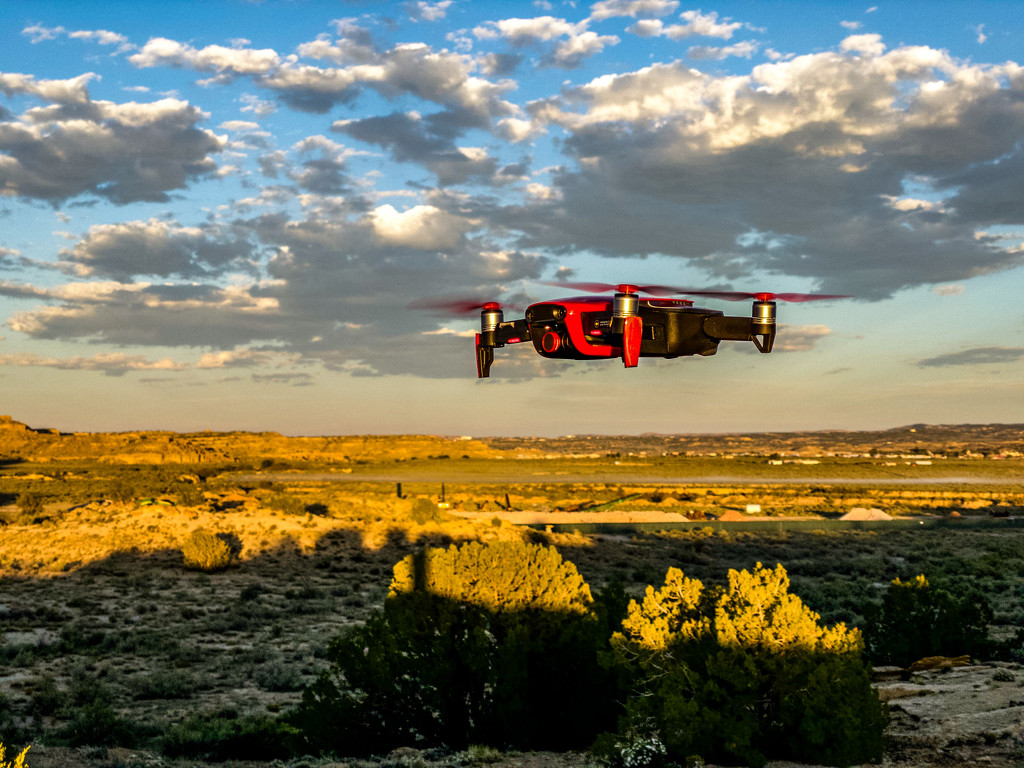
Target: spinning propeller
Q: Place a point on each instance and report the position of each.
(457, 305)
(669, 290)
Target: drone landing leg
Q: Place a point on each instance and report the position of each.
(632, 329)
(484, 358)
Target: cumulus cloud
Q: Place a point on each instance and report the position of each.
(606, 9)
(800, 338)
(71, 91)
(695, 24)
(817, 149)
(109, 363)
(862, 169)
(743, 50)
(975, 356)
(153, 315)
(121, 152)
(566, 43)
(162, 52)
(441, 77)
(420, 10)
(156, 248)
(422, 227)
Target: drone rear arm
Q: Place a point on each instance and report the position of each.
(760, 331)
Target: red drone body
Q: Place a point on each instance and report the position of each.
(623, 325)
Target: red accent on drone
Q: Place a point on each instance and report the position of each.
(631, 333)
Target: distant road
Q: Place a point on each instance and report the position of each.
(455, 475)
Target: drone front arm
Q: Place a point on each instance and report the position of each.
(513, 332)
(760, 331)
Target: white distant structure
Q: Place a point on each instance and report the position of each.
(862, 513)
(753, 509)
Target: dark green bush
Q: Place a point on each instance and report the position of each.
(481, 644)
(917, 619)
(91, 718)
(224, 736)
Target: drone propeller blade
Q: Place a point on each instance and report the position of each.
(456, 305)
(765, 296)
(654, 290)
(671, 290)
(587, 287)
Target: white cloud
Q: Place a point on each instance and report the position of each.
(37, 33)
(572, 40)
(696, 24)
(71, 91)
(800, 338)
(246, 358)
(743, 50)
(103, 37)
(450, 332)
(606, 9)
(110, 363)
(423, 227)
(870, 44)
(699, 24)
(162, 52)
(676, 152)
(420, 10)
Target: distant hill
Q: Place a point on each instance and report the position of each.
(949, 439)
(21, 442)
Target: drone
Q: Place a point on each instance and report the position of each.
(621, 325)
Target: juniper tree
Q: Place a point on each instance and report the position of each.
(747, 672)
(491, 644)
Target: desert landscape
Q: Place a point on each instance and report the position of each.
(114, 652)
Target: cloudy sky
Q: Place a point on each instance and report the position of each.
(214, 215)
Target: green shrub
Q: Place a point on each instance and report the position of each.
(205, 551)
(162, 684)
(424, 511)
(224, 736)
(92, 721)
(745, 673)
(493, 645)
(31, 505)
(917, 619)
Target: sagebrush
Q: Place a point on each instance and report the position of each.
(206, 551)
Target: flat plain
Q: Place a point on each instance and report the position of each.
(99, 614)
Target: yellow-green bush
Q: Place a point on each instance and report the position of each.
(19, 761)
(745, 673)
(206, 551)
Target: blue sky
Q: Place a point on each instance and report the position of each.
(214, 215)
